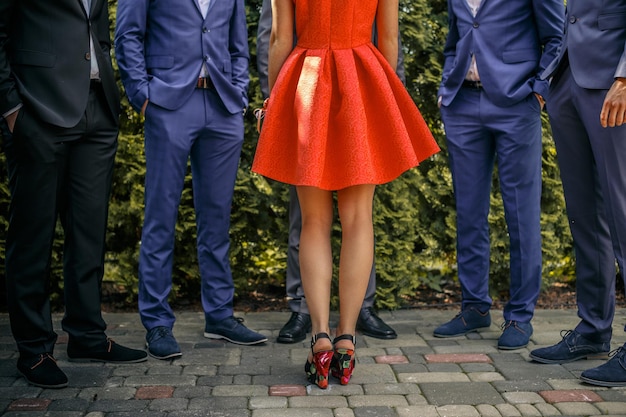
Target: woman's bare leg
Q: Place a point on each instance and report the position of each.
(316, 263)
(357, 252)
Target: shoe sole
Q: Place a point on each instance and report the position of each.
(379, 336)
(289, 340)
(602, 383)
(442, 335)
(170, 356)
(63, 385)
(512, 347)
(237, 342)
(87, 360)
(595, 356)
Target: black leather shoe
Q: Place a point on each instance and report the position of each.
(109, 352)
(42, 371)
(295, 329)
(371, 325)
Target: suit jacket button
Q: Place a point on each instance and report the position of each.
(572, 19)
(476, 25)
(88, 56)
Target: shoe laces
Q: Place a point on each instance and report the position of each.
(368, 311)
(509, 323)
(513, 324)
(109, 344)
(42, 359)
(620, 351)
(565, 334)
(162, 332)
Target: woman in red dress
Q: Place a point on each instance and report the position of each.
(338, 120)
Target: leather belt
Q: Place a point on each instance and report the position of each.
(476, 85)
(205, 83)
(95, 84)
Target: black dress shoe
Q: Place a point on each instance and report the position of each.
(371, 325)
(295, 329)
(42, 371)
(109, 352)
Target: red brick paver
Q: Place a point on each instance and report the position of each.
(151, 393)
(391, 359)
(29, 404)
(570, 395)
(287, 390)
(457, 358)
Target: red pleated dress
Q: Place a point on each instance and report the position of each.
(338, 115)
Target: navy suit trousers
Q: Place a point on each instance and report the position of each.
(591, 160)
(479, 133)
(205, 132)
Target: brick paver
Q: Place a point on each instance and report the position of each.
(29, 404)
(415, 375)
(562, 396)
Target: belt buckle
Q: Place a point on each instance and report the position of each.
(204, 83)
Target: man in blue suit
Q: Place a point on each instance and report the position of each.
(184, 65)
(491, 99)
(587, 111)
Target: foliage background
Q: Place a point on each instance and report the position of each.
(414, 215)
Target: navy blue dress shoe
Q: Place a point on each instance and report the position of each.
(572, 347)
(515, 335)
(161, 343)
(468, 320)
(232, 329)
(371, 325)
(611, 374)
(296, 328)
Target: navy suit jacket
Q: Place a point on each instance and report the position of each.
(595, 44)
(513, 41)
(160, 46)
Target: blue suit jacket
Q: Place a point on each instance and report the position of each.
(513, 42)
(160, 46)
(595, 44)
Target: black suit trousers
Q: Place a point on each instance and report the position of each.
(58, 173)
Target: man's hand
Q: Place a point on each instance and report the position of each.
(11, 120)
(542, 102)
(614, 108)
(143, 108)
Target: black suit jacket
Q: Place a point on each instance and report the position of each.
(45, 58)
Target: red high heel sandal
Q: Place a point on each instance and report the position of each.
(318, 367)
(343, 361)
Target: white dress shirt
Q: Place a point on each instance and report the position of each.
(95, 71)
(472, 73)
(204, 7)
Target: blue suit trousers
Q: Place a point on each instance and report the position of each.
(479, 133)
(591, 161)
(202, 131)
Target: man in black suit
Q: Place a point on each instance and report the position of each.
(60, 108)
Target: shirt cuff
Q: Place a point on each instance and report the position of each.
(13, 110)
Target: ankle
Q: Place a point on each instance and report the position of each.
(344, 341)
(320, 342)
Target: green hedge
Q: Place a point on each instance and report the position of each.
(414, 215)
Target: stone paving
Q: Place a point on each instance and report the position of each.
(415, 375)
